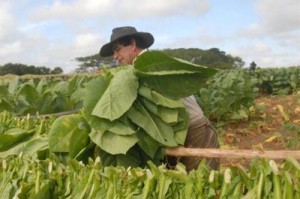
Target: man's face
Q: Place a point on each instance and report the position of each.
(125, 54)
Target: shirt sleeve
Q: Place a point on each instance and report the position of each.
(194, 110)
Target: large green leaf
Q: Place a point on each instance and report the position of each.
(78, 96)
(61, 133)
(154, 126)
(79, 139)
(61, 88)
(13, 137)
(181, 127)
(115, 126)
(159, 99)
(14, 150)
(175, 86)
(3, 91)
(147, 143)
(169, 76)
(45, 191)
(28, 94)
(43, 83)
(13, 85)
(113, 143)
(45, 103)
(168, 115)
(73, 84)
(131, 159)
(4, 105)
(118, 97)
(94, 89)
(155, 61)
(34, 145)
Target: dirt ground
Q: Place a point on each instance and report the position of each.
(274, 124)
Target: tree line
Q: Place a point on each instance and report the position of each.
(23, 69)
(213, 57)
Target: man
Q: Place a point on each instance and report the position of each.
(126, 43)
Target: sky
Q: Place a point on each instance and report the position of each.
(53, 33)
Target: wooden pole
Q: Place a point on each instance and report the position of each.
(51, 114)
(231, 153)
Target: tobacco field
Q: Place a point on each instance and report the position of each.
(104, 135)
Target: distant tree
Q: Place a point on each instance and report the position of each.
(94, 61)
(22, 69)
(57, 70)
(252, 66)
(213, 57)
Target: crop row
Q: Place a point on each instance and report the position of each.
(22, 177)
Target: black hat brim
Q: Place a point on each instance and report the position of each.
(106, 49)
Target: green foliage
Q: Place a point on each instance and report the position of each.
(94, 61)
(67, 134)
(27, 136)
(161, 72)
(128, 112)
(22, 69)
(213, 57)
(277, 80)
(228, 95)
(147, 122)
(25, 178)
(123, 119)
(118, 96)
(42, 95)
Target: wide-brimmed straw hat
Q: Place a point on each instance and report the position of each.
(121, 32)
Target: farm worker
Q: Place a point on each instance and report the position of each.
(126, 43)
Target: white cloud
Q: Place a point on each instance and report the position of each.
(10, 49)
(275, 17)
(158, 8)
(70, 10)
(86, 40)
(7, 21)
(199, 38)
(120, 9)
(279, 16)
(264, 55)
(275, 35)
(53, 33)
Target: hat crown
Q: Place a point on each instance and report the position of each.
(121, 32)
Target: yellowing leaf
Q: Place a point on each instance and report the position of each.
(280, 108)
(283, 113)
(272, 138)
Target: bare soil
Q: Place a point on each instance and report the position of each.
(274, 124)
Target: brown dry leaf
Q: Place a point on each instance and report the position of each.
(296, 121)
(297, 110)
(258, 146)
(270, 128)
(263, 116)
(230, 138)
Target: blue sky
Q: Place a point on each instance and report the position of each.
(54, 32)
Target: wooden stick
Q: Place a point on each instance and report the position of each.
(231, 153)
(51, 114)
